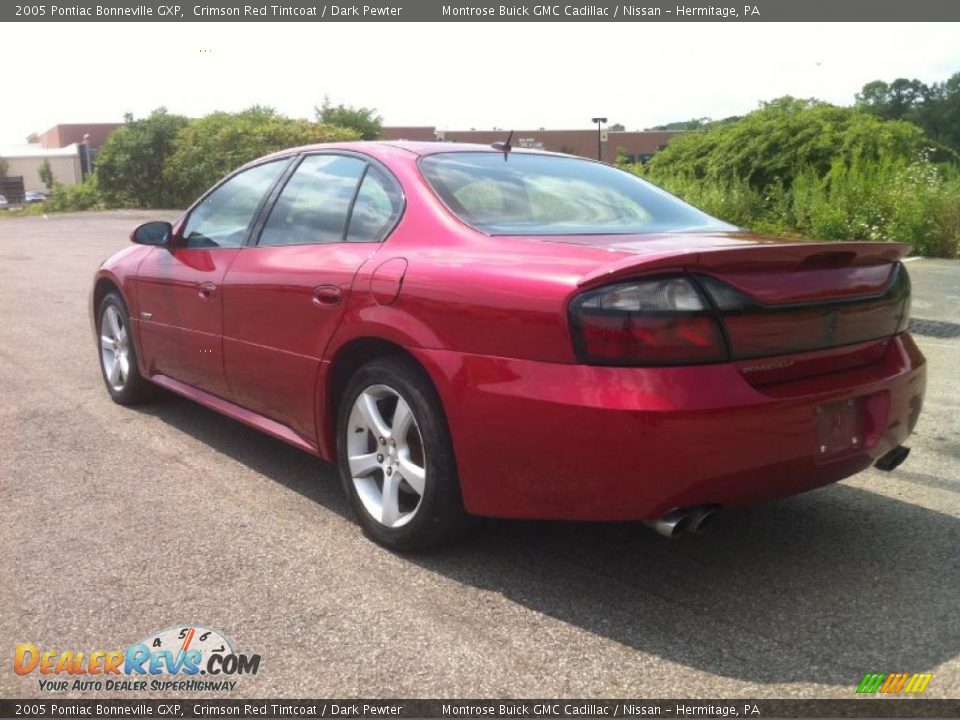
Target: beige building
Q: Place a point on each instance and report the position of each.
(26, 160)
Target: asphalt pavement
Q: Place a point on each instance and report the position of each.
(117, 522)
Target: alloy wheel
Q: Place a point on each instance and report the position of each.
(114, 348)
(386, 456)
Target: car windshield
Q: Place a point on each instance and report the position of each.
(529, 194)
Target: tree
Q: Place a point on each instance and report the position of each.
(364, 120)
(895, 101)
(935, 108)
(4, 166)
(207, 149)
(616, 127)
(940, 115)
(131, 163)
(785, 137)
(693, 124)
(46, 174)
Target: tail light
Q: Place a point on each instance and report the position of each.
(904, 323)
(687, 320)
(757, 330)
(650, 322)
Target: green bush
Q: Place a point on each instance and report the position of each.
(45, 173)
(916, 202)
(800, 167)
(944, 238)
(365, 121)
(130, 165)
(24, 210)
(71, 198)
(785, 136)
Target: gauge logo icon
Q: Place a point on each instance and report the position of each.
(184, 638)
(189, 648)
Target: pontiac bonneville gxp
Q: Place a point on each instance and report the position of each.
(479, 331)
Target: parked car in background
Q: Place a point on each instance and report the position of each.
(471, 330)
(3, 200)
(34, 196)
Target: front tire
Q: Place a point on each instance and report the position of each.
(118, 354)
(396, 457)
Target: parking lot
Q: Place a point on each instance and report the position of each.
(118, 522)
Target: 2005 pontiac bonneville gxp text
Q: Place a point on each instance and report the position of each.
(477, 331)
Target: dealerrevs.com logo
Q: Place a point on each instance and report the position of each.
(186, 657)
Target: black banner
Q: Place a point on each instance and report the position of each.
(350, 709)
(635, 11)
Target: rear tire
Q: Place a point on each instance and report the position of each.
(118, 353)
(396, 457)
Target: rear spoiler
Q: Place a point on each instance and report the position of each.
(783, 257)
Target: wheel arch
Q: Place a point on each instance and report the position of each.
(345, 360)
(101, 288)
(103, 285)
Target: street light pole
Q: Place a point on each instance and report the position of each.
(599, 121)
(84, 150)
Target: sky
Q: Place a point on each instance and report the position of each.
(455, 75)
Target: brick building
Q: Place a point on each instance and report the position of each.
(61, 136)
(637, 146)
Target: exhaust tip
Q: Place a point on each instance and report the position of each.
(670, 525)
(892, 459)
(701, 519)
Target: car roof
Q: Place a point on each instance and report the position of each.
(415, 147)
(423, 147)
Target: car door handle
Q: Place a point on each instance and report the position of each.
(326, 295)
(207, 289)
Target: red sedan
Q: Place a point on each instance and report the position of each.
(469, 330)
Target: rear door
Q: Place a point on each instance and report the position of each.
(180, 287)
(284, 295)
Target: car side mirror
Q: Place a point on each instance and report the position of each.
(157, 232)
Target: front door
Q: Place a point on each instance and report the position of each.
(180, 286)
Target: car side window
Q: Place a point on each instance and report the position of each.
(376, 208)
(223, 217)
(314, 204)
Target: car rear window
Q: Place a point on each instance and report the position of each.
(529, 194)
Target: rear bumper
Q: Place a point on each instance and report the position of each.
(548, 440)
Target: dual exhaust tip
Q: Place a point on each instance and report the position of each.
(689, 520)
(699, 519)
